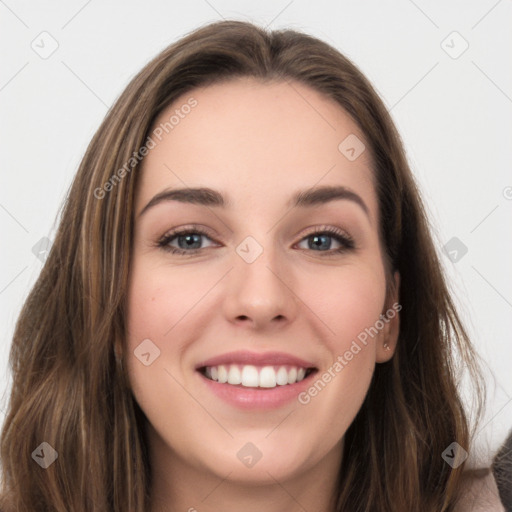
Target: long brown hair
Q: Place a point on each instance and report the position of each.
(69, 388)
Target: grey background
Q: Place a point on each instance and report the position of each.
(452, 107)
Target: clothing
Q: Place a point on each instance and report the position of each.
(480, 493)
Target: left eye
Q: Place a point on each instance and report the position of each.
(322, 241)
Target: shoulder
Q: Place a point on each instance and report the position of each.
(479, 492)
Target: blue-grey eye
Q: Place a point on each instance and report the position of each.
(189, 241)
(322, 241)
(319, 242)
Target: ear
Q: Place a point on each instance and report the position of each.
(388, 339)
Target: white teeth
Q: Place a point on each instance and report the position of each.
(253, 376)
(282, 376)
(222, 374)
(267, 377)
(292, 375)
(234, 376)
(250, 377)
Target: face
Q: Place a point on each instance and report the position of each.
(273, 279)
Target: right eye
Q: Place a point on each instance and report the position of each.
(187, 239)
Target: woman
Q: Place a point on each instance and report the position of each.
(243, 307)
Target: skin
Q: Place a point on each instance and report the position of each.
(257, 144)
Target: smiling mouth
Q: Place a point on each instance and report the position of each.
(252, 376)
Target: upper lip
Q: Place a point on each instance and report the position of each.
(256, 359)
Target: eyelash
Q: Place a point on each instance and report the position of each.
(347, 243)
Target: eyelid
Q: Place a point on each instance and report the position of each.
(324, 228)
(189, 228)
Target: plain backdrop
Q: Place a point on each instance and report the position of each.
(442, 68)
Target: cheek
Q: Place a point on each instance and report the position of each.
(155, 305)
(158, 300)
(349, 301)
(350, 309)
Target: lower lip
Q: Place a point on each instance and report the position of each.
(257, 398)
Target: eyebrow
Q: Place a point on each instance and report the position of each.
(304, 198)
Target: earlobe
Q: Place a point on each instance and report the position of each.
(391, 317)
(387, 346)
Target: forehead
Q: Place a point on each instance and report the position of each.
(256, 141)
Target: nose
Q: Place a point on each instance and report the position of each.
(261, 294)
